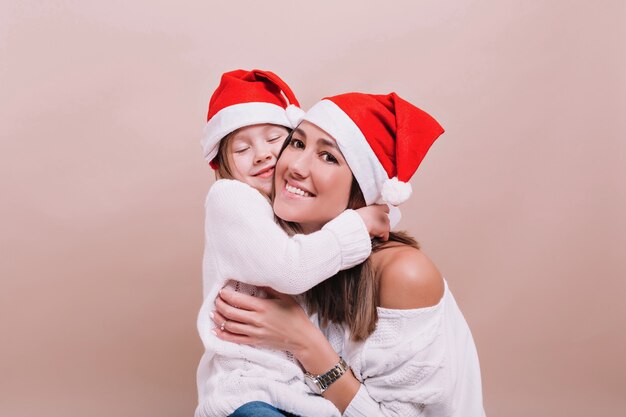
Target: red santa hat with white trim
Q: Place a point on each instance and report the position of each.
(383, 139)
(246, 98)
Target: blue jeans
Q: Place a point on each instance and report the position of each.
(259, 409)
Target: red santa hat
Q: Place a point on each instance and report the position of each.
(382, 137)
(246, 98)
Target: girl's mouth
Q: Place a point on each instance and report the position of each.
(265, 173)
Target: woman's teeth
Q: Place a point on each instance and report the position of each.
(298, 191)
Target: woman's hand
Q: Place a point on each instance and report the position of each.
(277, 322)
(280, 323)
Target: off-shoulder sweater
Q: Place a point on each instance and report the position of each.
(417, 362)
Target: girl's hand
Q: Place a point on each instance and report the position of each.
(277, 322)
(376, 219)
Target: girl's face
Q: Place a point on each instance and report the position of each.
(312, 179)
(252, 153)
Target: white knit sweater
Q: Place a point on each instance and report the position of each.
(418, 362)
(243, 242)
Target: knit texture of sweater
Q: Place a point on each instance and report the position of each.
(417, 362)
(243, 242)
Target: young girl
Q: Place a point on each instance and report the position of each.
(249, 118)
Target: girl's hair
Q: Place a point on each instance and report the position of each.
(223, 163)
(351, 295)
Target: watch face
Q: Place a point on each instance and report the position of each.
(312, 384)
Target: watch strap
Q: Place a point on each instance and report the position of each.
(324, 380)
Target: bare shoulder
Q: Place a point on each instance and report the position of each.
(408, 278)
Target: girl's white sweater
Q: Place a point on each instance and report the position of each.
(243, 242)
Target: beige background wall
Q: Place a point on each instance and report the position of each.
(521, 203)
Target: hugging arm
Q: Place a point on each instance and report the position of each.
(396, 378)
(280, 323)
(253, 249)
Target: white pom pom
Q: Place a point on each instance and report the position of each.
(396, 192)
(294, 114)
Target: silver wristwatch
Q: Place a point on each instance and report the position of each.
(320, 383)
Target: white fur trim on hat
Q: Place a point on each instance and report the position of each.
(237, 116)
(394, 216)
(396, 192)
(294, 114)
(362, 160)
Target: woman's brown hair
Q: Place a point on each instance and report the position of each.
(350, 296)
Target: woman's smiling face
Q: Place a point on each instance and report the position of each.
(312, 179)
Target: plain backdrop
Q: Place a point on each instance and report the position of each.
(521, 203)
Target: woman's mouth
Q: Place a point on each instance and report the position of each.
(265, 173)
(295, 191)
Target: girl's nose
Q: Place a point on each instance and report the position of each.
(262, 155)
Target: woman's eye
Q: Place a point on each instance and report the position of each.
(273, 139)
(242, 150)
(296, 143)
(329, 158)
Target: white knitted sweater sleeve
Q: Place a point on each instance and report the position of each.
(251, 248)
(401, 366)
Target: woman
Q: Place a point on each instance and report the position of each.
(392, 319)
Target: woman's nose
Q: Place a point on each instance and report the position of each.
(300, 166)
